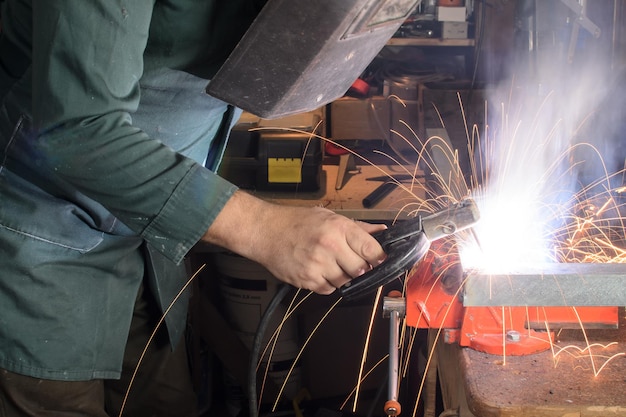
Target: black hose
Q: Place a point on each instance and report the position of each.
(255, 353)
(375, 403)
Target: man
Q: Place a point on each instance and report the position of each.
(107, 146)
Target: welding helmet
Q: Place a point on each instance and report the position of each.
(299, 55)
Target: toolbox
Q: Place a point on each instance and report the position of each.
(276, 155)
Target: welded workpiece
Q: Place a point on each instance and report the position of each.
(557, 284)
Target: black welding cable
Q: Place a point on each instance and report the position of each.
(374, 407)
(255, 353)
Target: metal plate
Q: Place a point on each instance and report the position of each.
(548, 285)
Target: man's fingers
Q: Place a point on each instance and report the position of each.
(371, 227)
(366, 246)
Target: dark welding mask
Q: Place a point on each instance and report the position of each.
(299, 55)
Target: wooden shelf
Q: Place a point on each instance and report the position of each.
(430, 42)
(349, 199)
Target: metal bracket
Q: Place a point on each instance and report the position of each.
(579, 7)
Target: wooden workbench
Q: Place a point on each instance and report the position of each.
(348, 200)
(540, 385)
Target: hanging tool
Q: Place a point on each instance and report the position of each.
(408, 241)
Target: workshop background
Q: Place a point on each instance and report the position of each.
(440, 63)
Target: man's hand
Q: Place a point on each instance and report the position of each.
(311, 248)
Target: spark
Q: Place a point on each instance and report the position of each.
(530, 187)
(526, 169)
(366, 348)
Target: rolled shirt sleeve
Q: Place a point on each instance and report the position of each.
(88, 61)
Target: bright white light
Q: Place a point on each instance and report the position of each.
(527, 180)
(510, 233)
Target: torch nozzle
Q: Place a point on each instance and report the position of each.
(453, 219)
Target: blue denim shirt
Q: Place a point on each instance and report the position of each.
(101, 162)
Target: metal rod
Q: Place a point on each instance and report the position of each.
(394, 323)
(394, 307)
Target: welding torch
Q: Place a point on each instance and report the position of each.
(406, 242)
